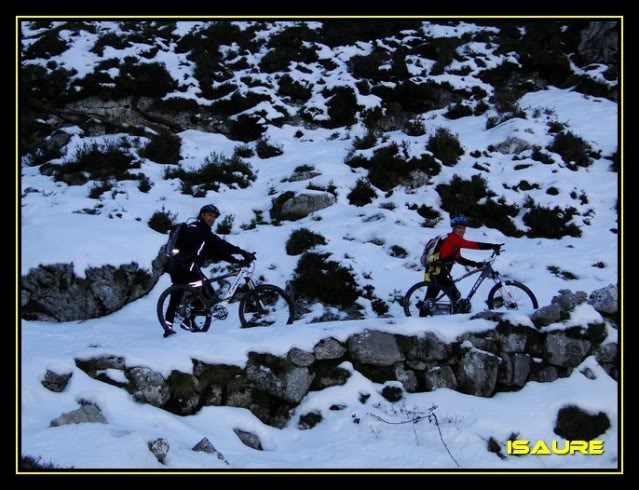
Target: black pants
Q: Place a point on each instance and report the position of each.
(443, 280)
(179, 277)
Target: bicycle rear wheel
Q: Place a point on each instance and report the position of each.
(266, 306)
(416, 304)
(511, 295)
(192, 313)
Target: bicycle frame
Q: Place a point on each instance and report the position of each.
(244, 273)
(486, 272)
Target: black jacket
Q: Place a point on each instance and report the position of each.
(198, 243)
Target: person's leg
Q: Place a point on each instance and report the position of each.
(177, 278)
(447, 283)
(431, 293)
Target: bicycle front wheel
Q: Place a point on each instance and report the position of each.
(266, 306)
(511, 295)
(416, 304)
(192, 312)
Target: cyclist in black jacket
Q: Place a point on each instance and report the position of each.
(197, 244)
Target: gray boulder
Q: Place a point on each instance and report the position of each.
(249, 439)
(205, 446)
(148, 386)
(328, 349)
(406, 377)
(546, 315)
(563, 351)
(477, 373)
(302, 205)
(513, 146)
(599, 42)
(55, 293)
(428, 348)
(160, 448)
(307, 175)
(440, 377)
(375, 348)
(300, 358)
(605, 300)
(279, 377)
(56, 382)
(85, 414)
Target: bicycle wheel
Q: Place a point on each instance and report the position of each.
(511, 295)
(192, 313)
(416, 304)
(266, 306)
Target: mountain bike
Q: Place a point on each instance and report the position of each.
(262, 305)
(506, 295)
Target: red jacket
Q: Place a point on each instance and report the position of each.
(451, 246)
(450, 249)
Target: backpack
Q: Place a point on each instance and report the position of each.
(430, 249)
(175, 240)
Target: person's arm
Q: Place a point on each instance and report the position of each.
(221, 249)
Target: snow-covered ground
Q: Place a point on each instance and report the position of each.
(52, 232)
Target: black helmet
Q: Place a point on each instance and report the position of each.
(209, 208)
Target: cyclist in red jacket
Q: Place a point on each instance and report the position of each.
(449, 253)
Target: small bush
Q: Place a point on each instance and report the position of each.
(110, 39)
(461, 197)
(362, 194)
(331, 187)
(367, 141)
(458, 111)
(399, 252)
(575, 424)
(445, 146)
(47, 46)
(258, 219)
(303, 240)
(295, 90)
(303, 168)
(163, 148)
(572, 149)
(550, 223)
(29, 463)
(225, 226)
(390, 206)
(540, 156)
(144, 79)
(552, 191)
(243, 151)
(481, 108)
(318, 278)
(555, 127)
(246, 128)
(162, 221)
(100, 188)
(426, 212)
(266, 150)
(342, 107)
(100, 162)
(215, 171)
(565, 275)
(415, 127)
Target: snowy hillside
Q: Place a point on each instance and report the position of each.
(405, 125)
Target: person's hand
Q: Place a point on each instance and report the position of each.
(248, 256)
(497, 247)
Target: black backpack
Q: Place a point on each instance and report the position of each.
(176, 236)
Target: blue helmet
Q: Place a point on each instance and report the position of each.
(458, 220)
(209, 208)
